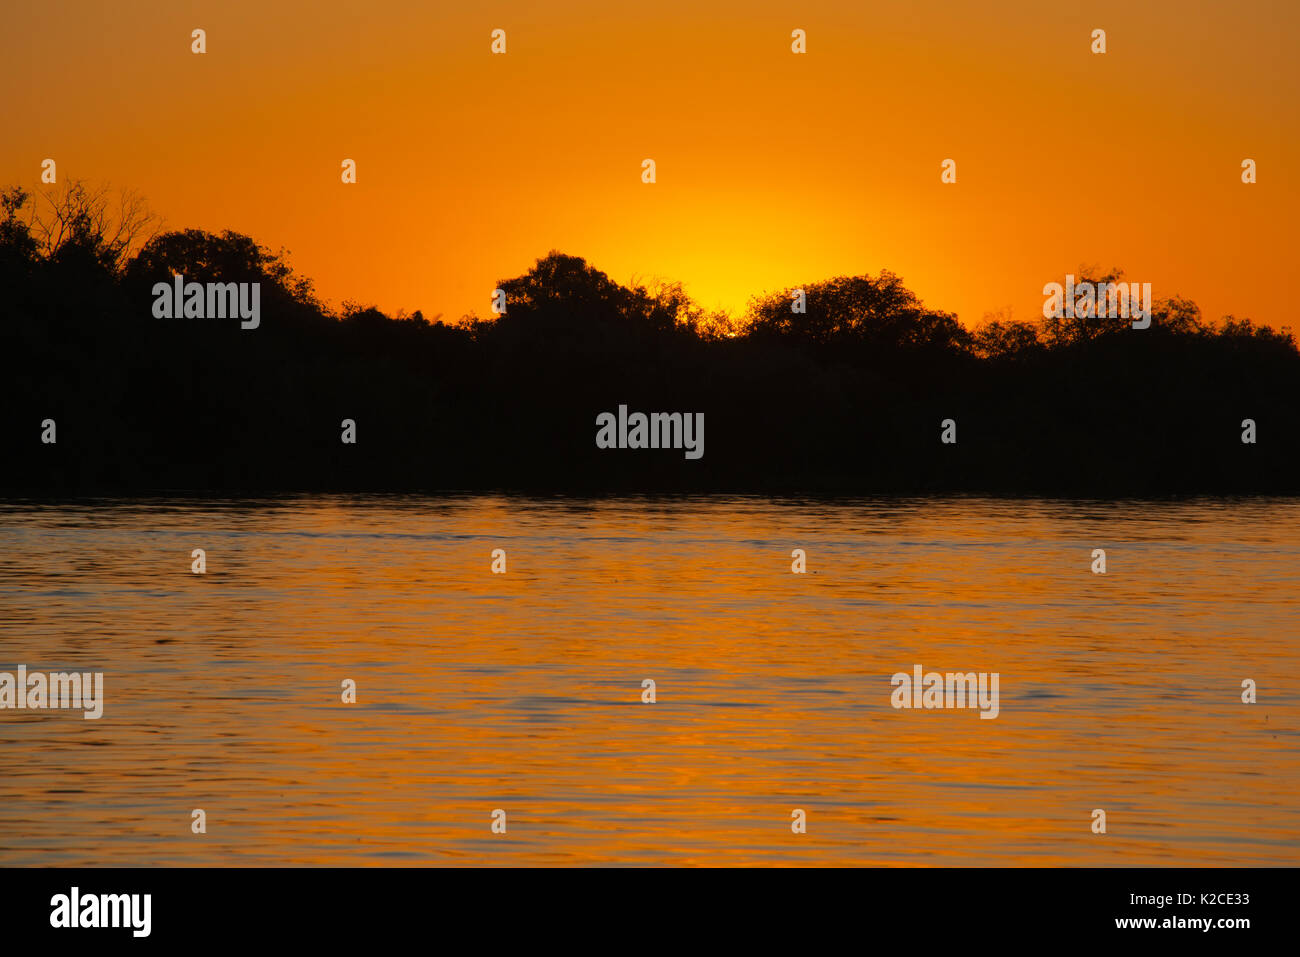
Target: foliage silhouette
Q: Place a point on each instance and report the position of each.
(846, 397)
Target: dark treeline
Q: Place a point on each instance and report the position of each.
(846, 398)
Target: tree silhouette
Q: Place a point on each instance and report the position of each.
(859, 313)
(844, 397)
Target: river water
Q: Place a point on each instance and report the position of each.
(523, 691)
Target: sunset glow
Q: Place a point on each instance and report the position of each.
(773, 169)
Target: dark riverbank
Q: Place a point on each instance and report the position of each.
(848, 397)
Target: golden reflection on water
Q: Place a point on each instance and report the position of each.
(523, 691)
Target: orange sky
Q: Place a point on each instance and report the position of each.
(773, 169)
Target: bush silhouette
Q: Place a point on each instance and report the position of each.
(846, 397)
